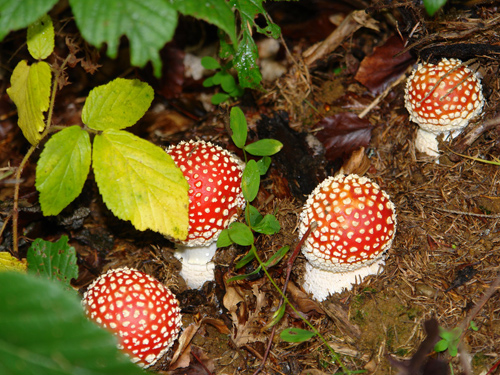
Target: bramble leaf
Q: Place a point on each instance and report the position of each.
(15, 15)
(53, 260)
(117, 104)
(148, 25)
(41, 38)
(36, 311)
(238, 125)
(141, 183)
(30, 91)
(62, 169)
(216, 12)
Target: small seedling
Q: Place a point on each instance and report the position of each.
(223, 78)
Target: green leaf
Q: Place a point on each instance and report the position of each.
(268, 225)
(241, 234)
(244, 276)
(219, 98)
(250, 181)
(216, 12)
(432, 6)
(264, 165)
(141, 183)
(45, 332)
(18, 14)
(441, 346)
(247, 258)
(228, 83)
(264, 147)
(254, 215)
(473, 326)
(208, 82)
(277, 256)
(54, 260)
(239, 128)
(224, 239)
(296, 335)
(209, 62)
(30, 91)
(62, 169)
(117, 104)
(148, 25)
(41, 38)
(277, 316)
(245, 62)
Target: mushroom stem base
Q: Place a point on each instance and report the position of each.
(321, 283)
(197, 265)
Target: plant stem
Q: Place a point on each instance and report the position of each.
(15, 208)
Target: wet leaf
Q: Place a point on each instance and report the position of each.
(343, 133)
(383, 67)
(117, 104)
(41, 38)
(30, 91)
(62, 169)
(140, 182)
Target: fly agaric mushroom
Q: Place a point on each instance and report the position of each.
(442, 99)
(138, 309)
(356, 224)
(215, 196)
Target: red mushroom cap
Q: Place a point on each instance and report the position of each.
(443, 97)
(356, 223)
(138, 309)
(214, 177)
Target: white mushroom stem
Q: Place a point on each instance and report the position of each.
(321, 283)
(197, 265)
(427, 141)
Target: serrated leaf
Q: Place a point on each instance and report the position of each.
(30, 91)
(55, 261)
(45, 332)
(10, 263)
(41, 38)
(148, 25)
(18, 14)
(62, 169)
(245, 62)
(238, 124)
(117, 104)
(209, 62)
(432, 6)
(264, 147)
(268, 225)
(241, 234)
(296, 335)
(141, 183)
(250, 181)
(216, 12)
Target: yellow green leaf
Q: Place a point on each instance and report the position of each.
(30, 91)
(41, 37)
(140, 182)
(10, 263)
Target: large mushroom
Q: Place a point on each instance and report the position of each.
(215, 198)
(138, 309)
(356, 224)
(442, 98)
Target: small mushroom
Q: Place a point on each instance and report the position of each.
(356, 224)
(442, 99)
(138, 309)
(215, 198)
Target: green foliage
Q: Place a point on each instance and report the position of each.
(53, 260)
(432, 6)
(41, 38)
(62, 169)
(44, 331)
(296, 335)
(221, 78)
(449, 341)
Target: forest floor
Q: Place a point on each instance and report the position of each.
(324, 109)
